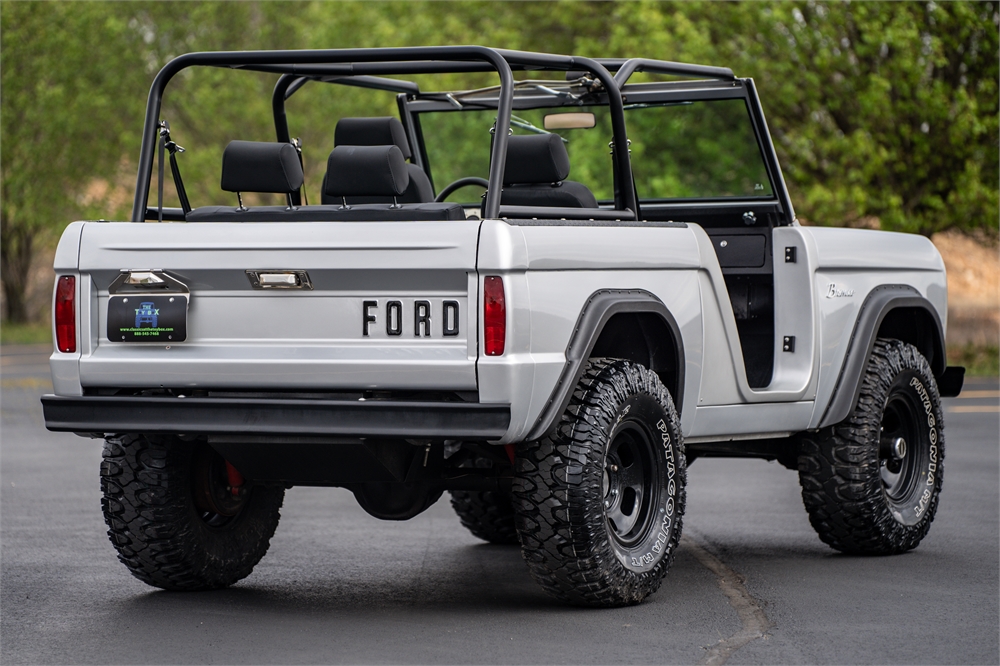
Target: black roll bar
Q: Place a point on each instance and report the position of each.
(289, 84)
(349, 62)
(625, 198)
(626, 68)
(518, 60)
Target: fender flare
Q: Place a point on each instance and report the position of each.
(597, 311)
(879, 302)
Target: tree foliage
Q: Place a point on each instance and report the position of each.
(62, 121)
(883, 110)
(879, 109)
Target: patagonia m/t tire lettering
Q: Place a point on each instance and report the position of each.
(871, 483)
(599, 503)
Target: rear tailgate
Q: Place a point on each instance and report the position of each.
(243, 337)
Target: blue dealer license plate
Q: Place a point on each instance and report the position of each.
(147, 318)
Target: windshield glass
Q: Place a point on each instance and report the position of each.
(691, 150)
(458, 145)
(696, 150)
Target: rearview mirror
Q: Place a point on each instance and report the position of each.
(555, 121)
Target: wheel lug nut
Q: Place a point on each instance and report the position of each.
(607, 504)
(614, 468)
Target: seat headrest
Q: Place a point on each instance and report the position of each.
(366, 171)
(535, 158)
(386, 131)
(257, 166)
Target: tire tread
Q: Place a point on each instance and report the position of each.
(150, 517)
(838, 466)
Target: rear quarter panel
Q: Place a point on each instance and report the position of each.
(549, 274)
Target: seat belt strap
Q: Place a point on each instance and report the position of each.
(167, 144)
(159, 196)
(175, 170)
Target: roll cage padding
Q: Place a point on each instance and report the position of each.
(600, 308)
(882, 315)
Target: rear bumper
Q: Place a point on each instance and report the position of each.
(372, 418)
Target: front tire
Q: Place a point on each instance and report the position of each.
(871, 483)
(174, 526)
(599, 503)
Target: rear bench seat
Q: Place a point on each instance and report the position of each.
(249, 166)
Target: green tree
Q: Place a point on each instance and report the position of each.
(65, 121)
(73, 89)
(885, 109)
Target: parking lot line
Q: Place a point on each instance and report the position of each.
(966, 409)
(979, 394)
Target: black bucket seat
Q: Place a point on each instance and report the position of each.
(387, 131)
(535, 174)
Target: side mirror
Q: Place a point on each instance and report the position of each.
(555, 121)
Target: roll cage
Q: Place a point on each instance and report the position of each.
(597, 81)
(389, 61)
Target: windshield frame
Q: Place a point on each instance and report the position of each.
(741, 88)
(669, 92)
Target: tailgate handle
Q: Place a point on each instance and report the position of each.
(275, 279)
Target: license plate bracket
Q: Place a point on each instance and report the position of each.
(159, 318)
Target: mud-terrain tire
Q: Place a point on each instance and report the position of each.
(488, 514)
(157, 527)
(865, 492)
(599, 503)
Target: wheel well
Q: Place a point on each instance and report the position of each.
(646, 339)
(919, 328)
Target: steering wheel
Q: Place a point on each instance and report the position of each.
(458, 184)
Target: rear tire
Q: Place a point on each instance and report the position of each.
(871, 483)
(599, 503)
(488, 514)
(155, 507)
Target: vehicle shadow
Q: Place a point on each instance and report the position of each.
(478, 578)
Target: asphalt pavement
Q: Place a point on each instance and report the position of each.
(751, 582)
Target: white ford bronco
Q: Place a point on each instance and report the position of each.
(632, 292)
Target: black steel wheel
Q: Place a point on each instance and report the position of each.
(599, 503)
(871, 484)
(630, 491)
(180, 517)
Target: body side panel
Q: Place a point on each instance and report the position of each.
(550, 300)
(850, 264)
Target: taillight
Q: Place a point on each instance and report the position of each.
(495, 315)
(66, 314)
